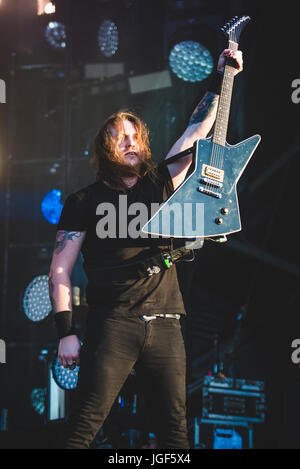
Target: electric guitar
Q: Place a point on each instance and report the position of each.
(206, 203)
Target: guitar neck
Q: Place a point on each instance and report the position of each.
(220, 131)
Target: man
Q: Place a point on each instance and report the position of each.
(133, 321)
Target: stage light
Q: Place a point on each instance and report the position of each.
(36, 299)
(65, 378)
(56, 35)
(51, 206)
(108, 38)
(191, 61)
(38, 398)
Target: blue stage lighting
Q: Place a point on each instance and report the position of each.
(56, 35)
(108, 38)
(51, 206)
(65, 378)
(36, 299)
(38, 398)
(191, 61)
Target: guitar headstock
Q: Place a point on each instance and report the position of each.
(233, 28)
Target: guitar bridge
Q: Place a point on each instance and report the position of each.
(206, 191)
(214, 173)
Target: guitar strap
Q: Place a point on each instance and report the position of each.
(149, 266)
(176, 157)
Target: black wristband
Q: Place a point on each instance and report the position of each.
(216, 82)
(63, 320)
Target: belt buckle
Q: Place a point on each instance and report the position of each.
(147, 318)
(155, 269)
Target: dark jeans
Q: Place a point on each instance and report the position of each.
(113, 347)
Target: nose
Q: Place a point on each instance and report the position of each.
(130, 142)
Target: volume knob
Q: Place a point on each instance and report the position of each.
(224, 211)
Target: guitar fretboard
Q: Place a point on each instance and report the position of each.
(222, 118)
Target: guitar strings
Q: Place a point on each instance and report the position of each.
(216, 158)
(217, 154)
(215, 149)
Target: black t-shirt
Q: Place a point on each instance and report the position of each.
(102, 211)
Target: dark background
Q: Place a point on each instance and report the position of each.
(50, 117)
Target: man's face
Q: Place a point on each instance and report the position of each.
(127, 142)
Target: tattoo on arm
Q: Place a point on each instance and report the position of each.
(204, 108)
(62, 237)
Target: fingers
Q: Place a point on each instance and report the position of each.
(69, 351)
(69, 361)
(237, 56)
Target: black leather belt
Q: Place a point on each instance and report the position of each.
(155, 316)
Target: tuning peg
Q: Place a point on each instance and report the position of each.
(245, 18)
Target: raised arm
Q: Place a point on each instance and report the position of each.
(66, 251)
(201, 121)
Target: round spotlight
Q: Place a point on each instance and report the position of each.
(51, 206)
(191, 61)
(65, 378)
(108, 38)
(36, 300)
(56, 35)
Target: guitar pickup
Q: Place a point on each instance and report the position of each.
(206, 191)
(214, 173)
(210, 182)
